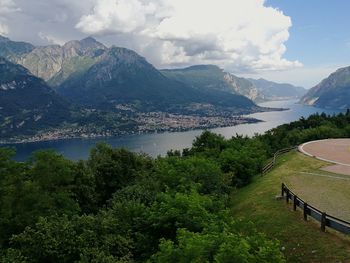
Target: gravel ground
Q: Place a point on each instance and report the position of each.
(336, 151)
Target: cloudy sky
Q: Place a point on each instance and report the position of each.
(294, 41)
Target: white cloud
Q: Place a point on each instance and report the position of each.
(239, 35)
(51, 39)
(116, 16)
(307, 77)
(3, 29)
(8, 6)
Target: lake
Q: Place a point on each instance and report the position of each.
(159, 143)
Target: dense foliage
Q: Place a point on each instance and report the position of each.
(119, 206)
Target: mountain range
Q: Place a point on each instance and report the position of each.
(210, 77)
(269, 90)
(89, 74)
(332, 92)
(27, 101)
(13, 49)
(123, 77)
(86, 76)
(53, 63)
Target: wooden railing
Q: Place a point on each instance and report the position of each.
(309, 210)
(272, 162)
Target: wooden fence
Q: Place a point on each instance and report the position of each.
(308, 210)
(272, 162)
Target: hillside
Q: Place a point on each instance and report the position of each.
(92, 75)
(270, 90)
(119, 93)
(210, 77)
(56, 63)
(11, 50)
(206, 204)
(53, 63)
(123, 77)
(302, 241)
(332, 92)
(27, 104)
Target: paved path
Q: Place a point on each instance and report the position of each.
(336, 151)
(328, 176)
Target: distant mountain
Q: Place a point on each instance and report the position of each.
(269, 90)
(56, 63)
(27, 103)
(90, 74)
(53, 63)
(333, 92)
(11, 50)
(210, 77)
(121, 76)
(243, 86)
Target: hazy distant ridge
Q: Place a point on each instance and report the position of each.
(332, 92)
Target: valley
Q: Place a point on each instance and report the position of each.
(88, 90)
(159, 143)
(140, 123)
(184, 131)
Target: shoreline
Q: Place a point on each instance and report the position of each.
(4, 143)
(83, 132)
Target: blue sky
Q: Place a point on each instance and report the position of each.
(321, 30)
(319, 38)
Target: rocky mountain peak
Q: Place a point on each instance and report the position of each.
(123, 55)
(84, 46)
(90, 42)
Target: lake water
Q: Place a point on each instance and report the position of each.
(160, 143)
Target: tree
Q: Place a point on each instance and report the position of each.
(182, 174)
(217, 246)
(41, 187)
(114, 169)
(79, 239)
(173, 211)
(208, 144)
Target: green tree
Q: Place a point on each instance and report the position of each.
(217, 246)
(39, 188)
(76, 239)
(114, 169)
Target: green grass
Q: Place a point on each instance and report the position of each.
(325, 190)
(301, 241)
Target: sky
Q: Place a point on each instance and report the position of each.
(319, 39)
(295, 41)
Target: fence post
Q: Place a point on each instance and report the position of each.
(287, 195)
(323, 222)
(294, 202)
(282, 190)
(305, 211)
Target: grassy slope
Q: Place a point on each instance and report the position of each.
(328, 192)
(303, 241)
